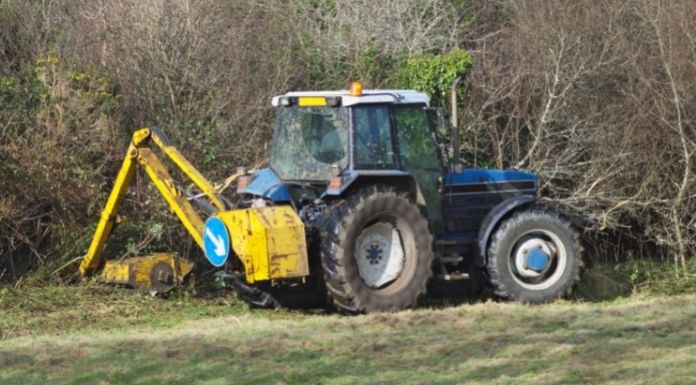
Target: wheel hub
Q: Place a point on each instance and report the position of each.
(537, 260)
(374, 254)
(379, 254)
(533, 257)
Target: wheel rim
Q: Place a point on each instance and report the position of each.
(538, 260)
(379, 254)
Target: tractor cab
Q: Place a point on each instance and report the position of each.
(327, 143)
(330, 141)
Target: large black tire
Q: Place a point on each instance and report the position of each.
(345, 222)
(515, 239)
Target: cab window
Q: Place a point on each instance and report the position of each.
(372, 137)
(416, 142)
(419, 154)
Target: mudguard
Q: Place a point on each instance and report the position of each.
(490, 222)
(265, 183)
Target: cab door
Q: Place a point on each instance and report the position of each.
(372, 138)
(419, 154)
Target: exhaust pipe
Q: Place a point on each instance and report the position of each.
(456, 166)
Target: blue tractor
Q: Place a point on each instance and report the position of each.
(384, 211)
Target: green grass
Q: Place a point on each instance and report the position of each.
(136, 339)
(59, 310)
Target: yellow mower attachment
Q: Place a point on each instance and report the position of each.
(156, 273)
(269, 241)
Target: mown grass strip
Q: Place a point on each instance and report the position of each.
(626, 341)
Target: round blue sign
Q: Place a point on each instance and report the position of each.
(216, 241)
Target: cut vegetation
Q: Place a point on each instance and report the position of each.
(104, 336)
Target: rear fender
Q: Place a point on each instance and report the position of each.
(491, 221)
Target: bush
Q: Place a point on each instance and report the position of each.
(598, 100)
(434, 74)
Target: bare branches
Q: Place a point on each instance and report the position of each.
(597, 97)
(657, 21)
(600, 102)
(349, 33)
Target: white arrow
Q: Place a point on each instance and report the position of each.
(217, 241)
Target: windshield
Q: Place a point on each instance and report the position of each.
(308, 141)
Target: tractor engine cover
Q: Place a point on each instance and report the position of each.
(269, 241)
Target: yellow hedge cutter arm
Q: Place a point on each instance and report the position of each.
(263, 236)
(139, 151)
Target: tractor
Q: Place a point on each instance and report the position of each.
(359, 207)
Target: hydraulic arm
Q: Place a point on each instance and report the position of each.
(268, 241)
(141, 152)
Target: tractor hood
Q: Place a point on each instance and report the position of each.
(478, 181)
(265, 183)
(478, 175)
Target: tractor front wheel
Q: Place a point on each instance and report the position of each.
(534, 257)
(376, 251)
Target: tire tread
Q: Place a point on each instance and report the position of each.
(335, 232)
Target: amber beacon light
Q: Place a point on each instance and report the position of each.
(356, 89)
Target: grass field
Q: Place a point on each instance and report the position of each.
(102, 335)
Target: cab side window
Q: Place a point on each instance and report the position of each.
(416, 143)
(372, 141)
(419, 155)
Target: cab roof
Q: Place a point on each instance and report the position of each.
(367, 97)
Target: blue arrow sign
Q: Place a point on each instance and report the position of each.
(216, 241)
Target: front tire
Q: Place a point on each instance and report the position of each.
(376, 251)
(534, 257)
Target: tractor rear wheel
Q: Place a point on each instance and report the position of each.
(534, 257)
(376, 251)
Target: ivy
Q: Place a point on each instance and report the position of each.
(434, 74)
